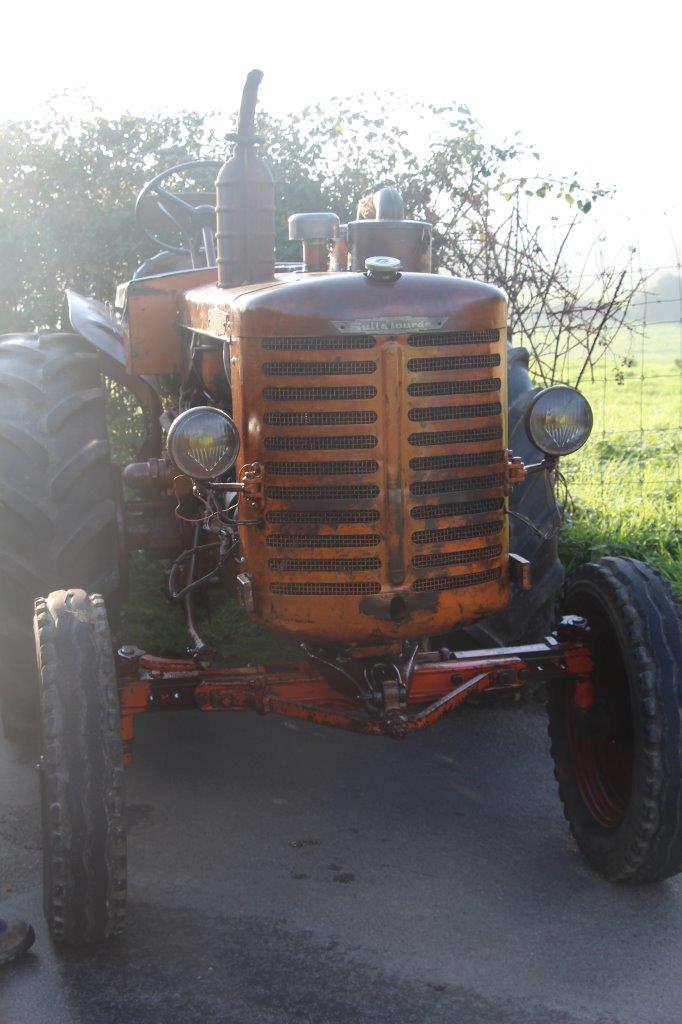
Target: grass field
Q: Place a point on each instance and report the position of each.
(625, 497)
(625, 486)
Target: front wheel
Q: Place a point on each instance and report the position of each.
(618, 754)
(81, 770)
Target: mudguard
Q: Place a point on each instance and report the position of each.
(98, 324)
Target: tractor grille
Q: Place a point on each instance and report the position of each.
(315, 444)
(455, 492)
(440, 559)
(333, 517)
(315, 369)
(318, 344)
(456, 533)
(351, 467)
(325, 589)
(456, 509)
(427, 462)
(362, 393)
(439, 364)
(324, 564)
(454, 387)
(434, 413)
(453, 338)
(471, 579)
(317, 419)
(431, 437)
(314, 540)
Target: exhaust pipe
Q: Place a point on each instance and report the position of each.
(245, 203)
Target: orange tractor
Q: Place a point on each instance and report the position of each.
(351, 445)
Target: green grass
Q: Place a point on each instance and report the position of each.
(155, 624)
(625, 486)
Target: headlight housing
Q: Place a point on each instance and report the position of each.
(203, 442)
(559, 420)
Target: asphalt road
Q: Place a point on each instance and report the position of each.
(285, 873)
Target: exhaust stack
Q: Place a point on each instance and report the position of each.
(245, 203)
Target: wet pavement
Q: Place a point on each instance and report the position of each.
(283, 873)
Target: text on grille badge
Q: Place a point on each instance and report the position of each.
(391, 325)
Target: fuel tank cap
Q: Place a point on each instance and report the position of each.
(383, 268)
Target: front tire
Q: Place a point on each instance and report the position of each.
(618, 756)
(81, 770)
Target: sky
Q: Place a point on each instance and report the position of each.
(595, 86)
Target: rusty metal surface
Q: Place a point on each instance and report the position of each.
(152, 335)
(406, 240)
(279, 309)
(441, 681)
(384, 459)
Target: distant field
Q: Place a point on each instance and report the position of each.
(626, 484)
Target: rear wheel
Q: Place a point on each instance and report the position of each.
(81, 770)
(57, 514)
(618, 750)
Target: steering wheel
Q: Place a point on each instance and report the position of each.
(156, 206)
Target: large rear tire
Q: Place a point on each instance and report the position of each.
(81, 770)
(618, 760)
(57, 514)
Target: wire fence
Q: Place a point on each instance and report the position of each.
(632, 466)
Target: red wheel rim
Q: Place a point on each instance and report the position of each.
(601, 737)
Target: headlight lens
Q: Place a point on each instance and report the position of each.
(559, 420)
(203, 442)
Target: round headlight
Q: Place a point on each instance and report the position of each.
(559, 420)
(203, 442)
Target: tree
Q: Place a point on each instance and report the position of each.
(68, 185)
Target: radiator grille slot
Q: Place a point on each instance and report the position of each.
(355, 467)
(441, 559)
(454, 387)
(321, 394)
(314, 540)
(324, 564)
(341, 492)
(425, 463)
(432, 437)
(318, 419)
(449, 533)
(470, 483)
(471, 579)
(317, 344)
(303, 517)
(359, 589)
(436, 364)
(453, 412)
(337, 369)
(454, 338)
(457, 508)
(319, 444)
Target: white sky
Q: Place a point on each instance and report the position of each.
(596, 86)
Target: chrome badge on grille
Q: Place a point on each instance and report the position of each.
(391, 325)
